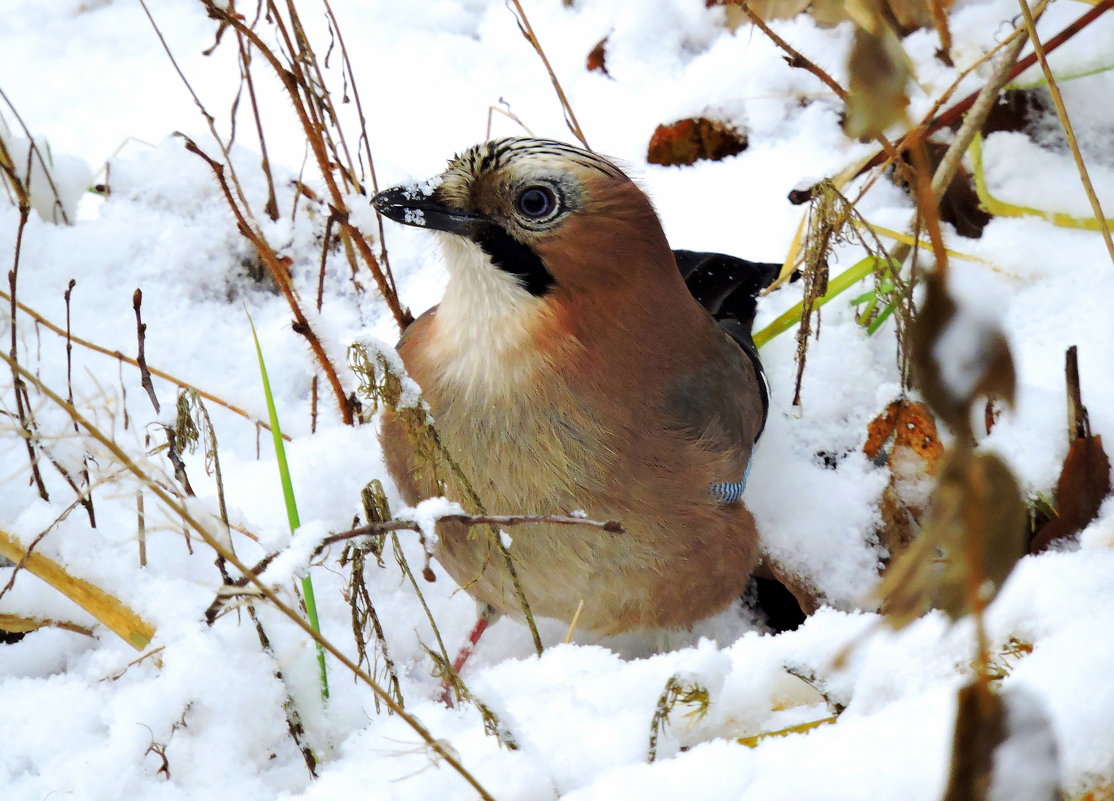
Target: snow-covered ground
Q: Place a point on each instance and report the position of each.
(203, 718)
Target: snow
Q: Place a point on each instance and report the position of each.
(91, 718)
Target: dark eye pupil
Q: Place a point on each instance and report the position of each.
(536, 202)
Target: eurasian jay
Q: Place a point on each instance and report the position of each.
(570, 369)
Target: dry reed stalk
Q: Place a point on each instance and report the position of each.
(186, 516)
(105, 607)
(1065, 123)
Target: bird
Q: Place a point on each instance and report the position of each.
(578, 365)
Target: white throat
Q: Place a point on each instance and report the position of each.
(484, 325)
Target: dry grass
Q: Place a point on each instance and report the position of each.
(344, 169)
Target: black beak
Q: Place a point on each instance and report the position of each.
(415, 205)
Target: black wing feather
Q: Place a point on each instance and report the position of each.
(728, 288)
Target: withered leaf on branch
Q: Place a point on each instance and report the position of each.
(909, 14)
(879, 74)
(1084, 483)
(973, 535)
(955, 366)
(980, 728)
(1004, 748)
(913, 458)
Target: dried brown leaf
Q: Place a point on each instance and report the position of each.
(879, 74)
(597, 58)
(908, 429)
(1084, 483)
(996, 376)
(910, 425)
(973, 536)
(687, 141)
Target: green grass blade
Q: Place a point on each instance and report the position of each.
(841, 283)
(291, 503)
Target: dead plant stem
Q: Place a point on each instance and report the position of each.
(384, 258)
(1069, 132)
(311, 126)
(795, 58)
(23, 411)
(33, 150)
(38, 318)
(180, 509)
(528, 31)
(87, 497)
(278, 269)
(956, 111)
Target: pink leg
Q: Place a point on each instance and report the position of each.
(487, 616)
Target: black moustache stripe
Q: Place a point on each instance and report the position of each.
(513, 257)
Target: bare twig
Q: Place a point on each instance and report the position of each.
(87, 497)
(384, 258)
(294, 82)
(402, 524)
(940, 20)
(278, 267)
(271, 207)
(141, 358)
(22, 404)
(1065, 122)
(956, 112)
(45, 323)
(37, 153)
(528, 31)
(796, 59)
(187, 516)
(793, 57)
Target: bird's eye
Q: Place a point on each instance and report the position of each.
(537, 201)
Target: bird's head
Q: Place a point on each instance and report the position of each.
(546, 214)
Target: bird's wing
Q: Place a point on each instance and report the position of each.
(728, 288)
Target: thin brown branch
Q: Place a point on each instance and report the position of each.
(793, 57)
(403, 524)
(23, 411)
(87, 497)
(1065, 123)
(271, 207)
(956, 112)
(187, 517)
(384, 259)
(36, 152)
(940, 20)
(141, 357)
(312, 127)
(278, 268)
(796, 59)
(929, 197)
(115, 354)
(528, 31)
